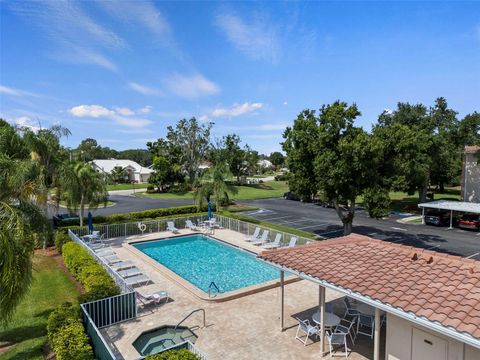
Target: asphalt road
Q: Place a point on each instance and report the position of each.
(325, 222)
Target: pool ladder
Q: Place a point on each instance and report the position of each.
(190, 314)
(215, 287)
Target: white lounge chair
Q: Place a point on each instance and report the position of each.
(274, 244)
(263, 239)
(137, 280)
(305, 327)
(171, 227)
(129, 272)
(154, 298)
(190, 225)
(105, 251)
(254, 236)
(293, 241)
(120, 265)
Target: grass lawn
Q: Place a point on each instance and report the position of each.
(269, 189)
(126, 187)
(27, 331)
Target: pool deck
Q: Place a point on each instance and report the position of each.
(247, 327)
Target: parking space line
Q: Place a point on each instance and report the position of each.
(398, 241)
(433, 247)
(311, 226)
(397, 228)
(282, 217)
(330, 232)
(473, 255)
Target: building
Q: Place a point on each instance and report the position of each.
(264, 164)
(136, 172)
(471, 175)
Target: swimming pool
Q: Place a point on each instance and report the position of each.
(201, 259)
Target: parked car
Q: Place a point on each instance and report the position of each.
(469, 221)
(437, 218)
(58, 218)
(290, 196)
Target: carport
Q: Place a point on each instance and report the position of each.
(450, 205)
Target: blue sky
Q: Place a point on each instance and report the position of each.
(122, 71)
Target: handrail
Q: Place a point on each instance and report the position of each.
(212, 284)
(191, 313)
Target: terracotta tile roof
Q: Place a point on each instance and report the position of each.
(472, 149)
(439, 287)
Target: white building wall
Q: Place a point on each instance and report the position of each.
(399, 342)
(471, 179)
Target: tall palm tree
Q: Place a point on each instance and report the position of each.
(21, 223)
(119, 174)
(214, 183)
(83, 186)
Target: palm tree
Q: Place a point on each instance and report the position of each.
(21, 223)
(119, 174)
(214, 183)
(83, 186)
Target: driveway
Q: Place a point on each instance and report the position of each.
(325, 222)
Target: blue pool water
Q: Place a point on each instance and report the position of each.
(201, 260)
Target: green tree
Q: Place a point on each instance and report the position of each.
(469, 130)
(89, 150)
(277, 159)
(166, 164)
(215, 183)
(83, 186)
(140, 156)
(119, 174)
(299, 145)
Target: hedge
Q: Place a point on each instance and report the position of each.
(182, 354)
(95, 280)
(141, 215)
(61, 238)
(67, 335)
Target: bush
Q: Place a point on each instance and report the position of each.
(140, 215)
(182, 354)
(281, 177)
(61, 238)
(150, 189)
(95, 280)
(67, 335)
(377, 202)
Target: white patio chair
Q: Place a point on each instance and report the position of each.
(171, 227)
(305, 327)
(263, 239)
(337, 339)
(254, 236)
(190, 225)
(348, 328)
(293, 241)
(350, 311)
(274, 244)
(365, 321)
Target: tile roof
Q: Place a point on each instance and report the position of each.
(472, 149)
(438, 287)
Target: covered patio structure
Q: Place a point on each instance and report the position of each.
(432, 300)
(451, 206)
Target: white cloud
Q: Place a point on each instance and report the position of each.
(15, 92)
(144, 90)
(145, 109)
(26, 122)
(285, 103)
(193, 86)
(236, 110)
(121, 116)
(262, 127)
(257, 39)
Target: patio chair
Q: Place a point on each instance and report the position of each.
(274, 244)
(349, 328)
(263, 239)
(133, 271)
(190, 225)
(171, 227)
(102, 249)
(105, 251)
(305, 327)
(293, 241)
(112, 258)
(350, 311)
(157, 296)
(121, 265)
(137, 280)
(365, 321)
(254, 236)
(329, 307)
(337, 339)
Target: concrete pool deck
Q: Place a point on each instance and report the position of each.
(243, 328)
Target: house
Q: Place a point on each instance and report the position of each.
(136, 172)
(265, 164)
(431, 300)
(471, 175)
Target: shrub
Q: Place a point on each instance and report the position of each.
(182, 354)
(150, 189)
(95, 280)
(281, 177)
(61, 238)
(67, 334)
(377, 202)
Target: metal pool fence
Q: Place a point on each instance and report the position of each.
(110, 231)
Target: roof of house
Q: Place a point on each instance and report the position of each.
(461, 206)
(472, 149)
(421, 284)
(107, 165)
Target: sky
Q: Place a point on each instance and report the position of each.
(121, 72)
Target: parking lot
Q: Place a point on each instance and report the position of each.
(325, 223)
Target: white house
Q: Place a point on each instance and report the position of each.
(136, 172)
(471, 175)
(265, 164)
